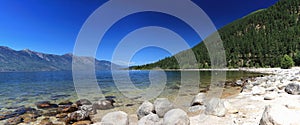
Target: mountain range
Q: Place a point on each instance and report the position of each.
(28, 60)
(259, 39)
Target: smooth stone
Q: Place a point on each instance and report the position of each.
(104, 104)
(116, 118)
(14, 121)
(199, 99)
(79, 115)
(162, 106)
(83, 102)
(279, 115)
(197, 108)
(46, 121)
(66, 102)
(145, 109)
(270, 96)
(176, 117)
(256, 90)
(151, 119)
(216, 107)
(293, 89)
(67, 108)
(133, 119)
(45, 105)
(85, 122)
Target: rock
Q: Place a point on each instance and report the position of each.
(116, 118)
(129, 105)
(197, 108)
(79, 115)
(83, 102)
(271, 96)
(17, 112)
(216, 107)
(256, 90)
(199, 99)
(61, 115)
(279, 115)
(46, 121)
(293, 89)
(162, 106)
(68, 108)
(176, 117)
(89, 109)
(14, 121)
(145, 109)
(66, 102)
(45, 105)
(104, 104)
(151, 119)
(86, 122)
(239, 83)
(293, 105)
(133, 119)
(230, 108)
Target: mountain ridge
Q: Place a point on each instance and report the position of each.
(27, 60)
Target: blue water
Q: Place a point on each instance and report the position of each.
(26, 88)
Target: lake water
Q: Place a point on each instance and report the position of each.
(26, 88)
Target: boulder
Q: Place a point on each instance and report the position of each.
(279, 115)
(45, 105)
(256, 90)
(162, 106)
(151, 119)
(145, 109)
(89, 109)
(199, 99)
(216, 107)
(176, 117)
(197, 108)
(293, 89)
(104, 104)
(116, 118)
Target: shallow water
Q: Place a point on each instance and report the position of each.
(26, 88)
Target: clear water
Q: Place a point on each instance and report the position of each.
(26, 88)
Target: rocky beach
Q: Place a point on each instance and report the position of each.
(271, 99)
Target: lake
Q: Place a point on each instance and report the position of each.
(26, 88)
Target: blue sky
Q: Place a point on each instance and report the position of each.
(51, 26)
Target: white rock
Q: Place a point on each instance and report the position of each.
(279, 115)
(162, 106)
(199, 99)
(151, 119)
(230, 108)
(256, 90)
(116, 118)
(270, 96)
(176, 117)
(145, 109)
(216, 107)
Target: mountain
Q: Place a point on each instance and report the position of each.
(259, 39)
(27, 60)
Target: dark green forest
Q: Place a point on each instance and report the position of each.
(259, 39)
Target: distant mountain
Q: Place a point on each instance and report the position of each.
(27, 60)
(259, 39)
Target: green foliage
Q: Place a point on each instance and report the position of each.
(257, 40)
(286, 62)
(297, 59)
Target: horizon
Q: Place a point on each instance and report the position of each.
(53, 29)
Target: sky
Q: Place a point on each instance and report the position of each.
(52, 26)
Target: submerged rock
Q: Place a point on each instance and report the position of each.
(145, 109)
(293, 89)
(162, 106)
(176, 117)
(115, 118)
(45, 105)
(83, 102)
(77, 116)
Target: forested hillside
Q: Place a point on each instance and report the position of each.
(260, 39)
